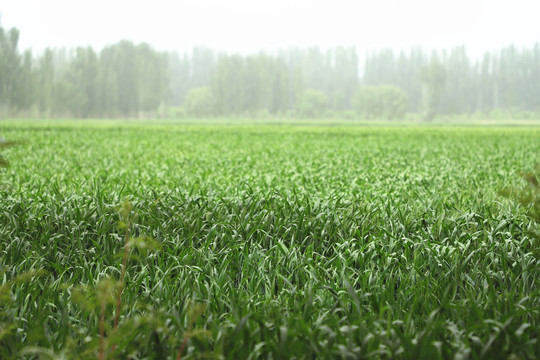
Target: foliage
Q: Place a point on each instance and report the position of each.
(6, 144)
(134, 80)
(8, 311)
(380, 102)
(10, 67)
(298, 241)
(103, 302)
(314, 103)
(200, 102)
(433, 77)
(250, 85)
(123, 79)
(529, 198)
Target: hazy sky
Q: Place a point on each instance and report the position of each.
(250, 25)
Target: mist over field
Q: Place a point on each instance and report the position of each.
(269, 180)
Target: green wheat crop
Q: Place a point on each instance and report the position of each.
(273, 242)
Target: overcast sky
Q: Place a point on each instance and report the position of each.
(251, 25)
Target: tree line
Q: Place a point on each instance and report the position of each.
(132, 80)
(506, 79)
(123, 79)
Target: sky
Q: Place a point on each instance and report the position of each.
(248, 26)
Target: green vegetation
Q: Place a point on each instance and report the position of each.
(266, 241)
(380, 102)
(529, 197)
(433, 78)
(3, 145)
(314, 104)
(200, 102)
(130, 80)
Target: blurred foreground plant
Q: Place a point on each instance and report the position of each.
(3, 145)
(143, 332)
(9, 342)
(148, 326)
(528, 196)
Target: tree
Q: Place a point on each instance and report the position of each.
(81, 84)
(23, 90)
(279, 102)
(367, 103)
(45, 81)
(314, 103)
(128, 83)
(395, 102)
(9, 65)
(200, 102)
(133, 79)
(459, 95)
(153, 77)
(433, 77)
(228, 84)
(178, 71)
(386, 101)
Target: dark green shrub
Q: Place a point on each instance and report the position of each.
(529, 197)
(380, 102)
(200, 102)
(314, 103)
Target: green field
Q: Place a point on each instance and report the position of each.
(274, 241)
